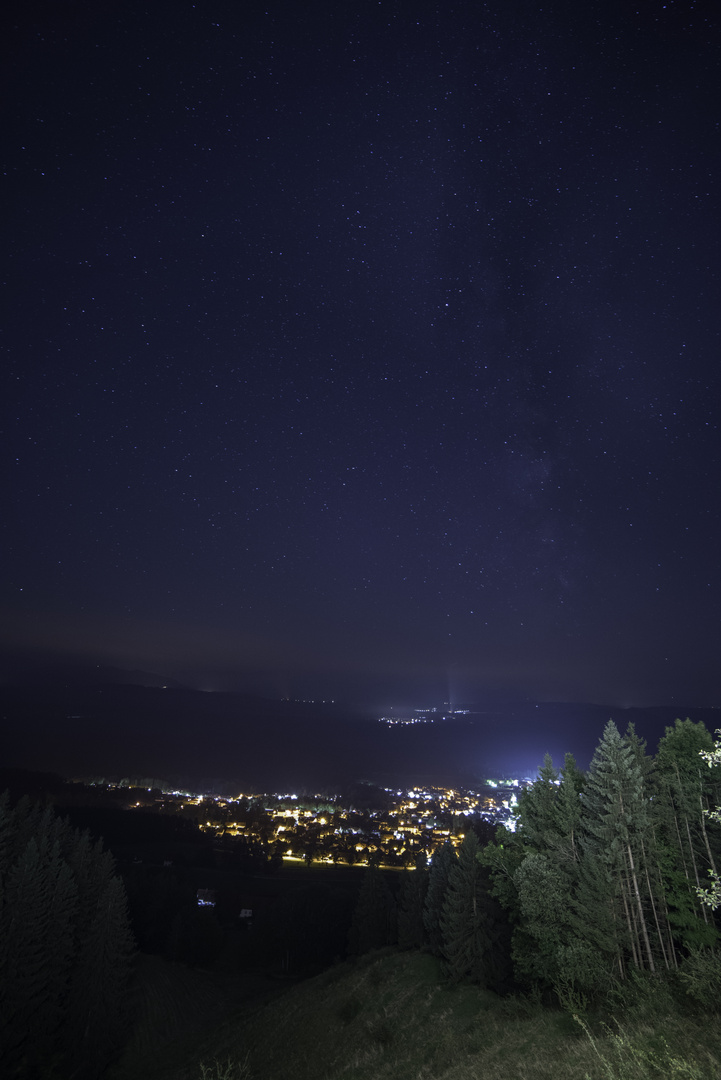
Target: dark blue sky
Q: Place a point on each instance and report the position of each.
(366, 349)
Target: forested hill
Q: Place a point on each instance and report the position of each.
(578, 945)
(583, 943)
(66, 948)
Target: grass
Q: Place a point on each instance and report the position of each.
(224, 1070)
(623, 1058)
(390, 1016)
(176, 1008)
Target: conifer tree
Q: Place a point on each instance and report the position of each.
(98, 995)
(411, 899)
(683, 791)
(603, 872)
(374, 922)
(535, 870)
(550, 811)
(65, 947)
(536, 808)
(58, 945)
(650, 855)
(543, 929)
(6, 836)
(469, 920)
(711, 897)
(23, 990)
(502, 859)
(440, 867)
(568, 812)
(616, 823)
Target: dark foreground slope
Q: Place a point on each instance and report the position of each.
(391, 1016)
(178, 1010)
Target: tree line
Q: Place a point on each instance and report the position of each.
(607, 873)
(65, 947)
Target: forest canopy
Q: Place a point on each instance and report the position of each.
(65, 947)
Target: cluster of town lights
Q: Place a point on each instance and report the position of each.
(415, 821)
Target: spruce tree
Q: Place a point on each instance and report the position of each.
(23, 990)
(568, 813)
(411, 899)
(469, 933)
(616, 826)
(374, 922)
(58, 946)
(543, 928)
(535, 870)
(7, 830)
(687, 845)
(536, 809)
(65, 947)
(711, 897)
(442, 860)
(99, 991)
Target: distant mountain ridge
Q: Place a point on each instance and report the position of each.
(127, 729)
(23, 670)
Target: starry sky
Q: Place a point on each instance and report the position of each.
(365, 349)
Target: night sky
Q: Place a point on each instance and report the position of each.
(365, 349)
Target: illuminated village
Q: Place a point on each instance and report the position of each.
(321, 829)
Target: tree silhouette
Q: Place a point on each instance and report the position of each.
(471, 922)
(65, 947)
(411, 900)
(374, 917)
(441, 862)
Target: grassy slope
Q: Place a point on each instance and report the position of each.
(391, 1017)
(176, 1008)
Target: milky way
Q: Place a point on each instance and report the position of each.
(366, 349)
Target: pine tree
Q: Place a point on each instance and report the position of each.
(568, 812)
(440, 867)
(683, 791)
(374, 918)
(711, 897)
(536, 809)
(616, 826)
(544, 906)
(7, 829)
(65, 946)
(98, 997)
(535, 870)
(23, 990)
(651, 855)
(411, 899)
(58, 945)
(468, 920)
(502, 859)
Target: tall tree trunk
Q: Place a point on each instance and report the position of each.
(662, 897)
(690, 847)
(695, 867)
(644, 928)
(655, 917)
(619, 950)
(705, 835)
(631, 929)
(680, 842)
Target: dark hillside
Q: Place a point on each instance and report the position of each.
(392, 1017)
(175, 1007)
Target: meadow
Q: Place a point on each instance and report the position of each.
(391, 1015)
